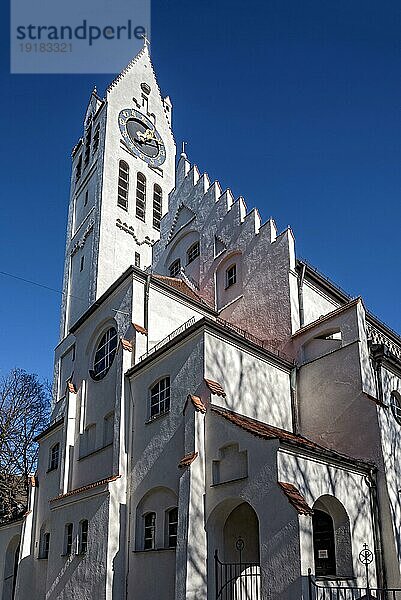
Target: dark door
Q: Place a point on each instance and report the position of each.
(324, 543)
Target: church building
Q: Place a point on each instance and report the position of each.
(226, 421)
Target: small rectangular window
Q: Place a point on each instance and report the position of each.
(172, 527)
(81, 266)
(193, 252)
(44, 545)
(54, 457)
(160, 397)
(86, 197)
(231, 276)
(68, 539)
(145, 103)
(149, 531)
(137, 260)
(175, 268)
(96, 139)
(83, 537)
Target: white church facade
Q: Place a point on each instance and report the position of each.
(225, 420)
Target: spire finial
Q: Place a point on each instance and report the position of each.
(94, 91)
(183, 153)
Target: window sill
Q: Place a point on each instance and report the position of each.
(140, 219)
(122, 207)
(335, 578)
(154, 550)
(92, 452)
(157, 417)
(50, 470)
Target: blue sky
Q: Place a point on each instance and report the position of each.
(294, 105)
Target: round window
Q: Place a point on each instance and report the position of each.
(396, 406)
(105, 354)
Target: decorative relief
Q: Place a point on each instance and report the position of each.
(129, 229)
(377, 337)
(81, 242)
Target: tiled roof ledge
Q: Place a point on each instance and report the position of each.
(215, 387)
(295, 498)
(187, 460)
(197, 402)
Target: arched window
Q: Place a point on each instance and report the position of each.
(83, 536)
(324, 547)
(157, 206)
(140, 196)
(54, 455)
(160, 397)
(123, 184)
(149, 530)
(44, 544)
(68, 531)
(172, 527)
(175, 268)
(395, 402)
(332, 543)
(105, 354)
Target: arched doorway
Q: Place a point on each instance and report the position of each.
(237, 567)
(11, 569)
(332, 542)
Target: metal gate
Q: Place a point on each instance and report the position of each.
(236, 580)
(317, 591)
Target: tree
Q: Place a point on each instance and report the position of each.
(24, 413)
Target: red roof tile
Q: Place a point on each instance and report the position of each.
(71, 387)
(139, 328)
(266, 431)
(181, 286)
(295, 498)
(126, 344)
(85, 487)
(187, 460)
(197, 402)
(215, 388)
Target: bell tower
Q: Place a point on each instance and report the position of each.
(123, 169)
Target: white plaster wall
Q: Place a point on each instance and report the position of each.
(314, 478)
(278, 520)
(316, 303)
(157, 448)
(254, 386)
(390, 435)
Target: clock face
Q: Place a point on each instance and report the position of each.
(141, 137)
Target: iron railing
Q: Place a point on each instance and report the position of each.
(320, 591)
(236, 581)
(165, 340)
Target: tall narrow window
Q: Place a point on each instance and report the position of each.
(140, 196)
(172, 525)
(83, 537)
(137, 260)
(324, 543)
(193, 252)
(149, 531)
(231, 276)
(123, 183)
(54, 457)
(175, 268)
(160, 397)
(78, 170)
(44, 545)
(96, 139)
(81, 266)
(108, 429)
(68, 530)
(88, 136)
(157, 206)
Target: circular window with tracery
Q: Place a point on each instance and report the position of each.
(105, 353)
(396, 406)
